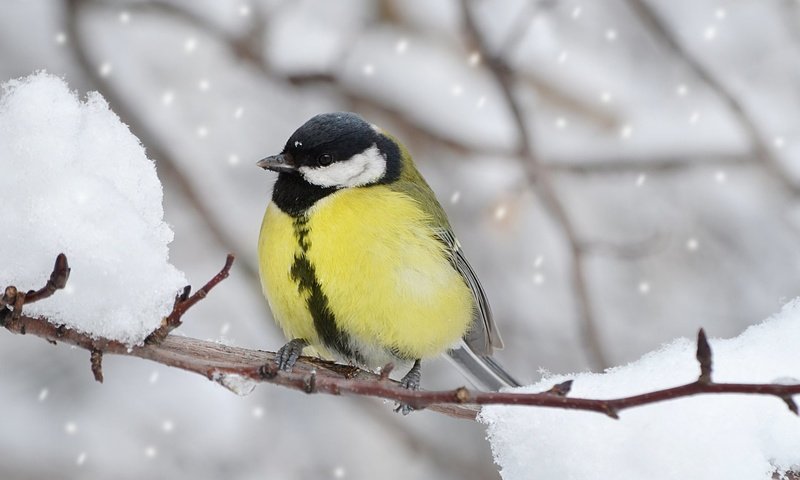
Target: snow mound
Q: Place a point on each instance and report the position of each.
(710, 437)
(76, 180)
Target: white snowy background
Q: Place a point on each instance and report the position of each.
(673, 146)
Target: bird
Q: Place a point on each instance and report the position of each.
(359, 263)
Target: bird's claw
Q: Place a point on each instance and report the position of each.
(410, 381)
(288, 354)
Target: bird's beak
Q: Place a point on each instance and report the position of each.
(277, 163)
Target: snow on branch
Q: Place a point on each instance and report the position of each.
(240, 369)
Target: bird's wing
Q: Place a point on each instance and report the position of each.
(483, 337)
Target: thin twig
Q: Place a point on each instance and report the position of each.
(184, 302)
(539, 177)
(58, 279)
(96, 362)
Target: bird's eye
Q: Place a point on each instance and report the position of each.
(325, 159)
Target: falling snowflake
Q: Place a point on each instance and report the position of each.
(190, 44)
(105, 69)
(167, 426)
(167, 97)
(401, 46)
(150, 451)
(70, 428)
(474, 59)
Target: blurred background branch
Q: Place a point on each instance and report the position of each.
(541, 181)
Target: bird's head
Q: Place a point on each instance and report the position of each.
(338, 150)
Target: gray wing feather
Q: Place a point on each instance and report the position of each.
(483, 336)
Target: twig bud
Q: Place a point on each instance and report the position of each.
(704, 357)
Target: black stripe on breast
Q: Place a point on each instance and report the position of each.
(303, 273)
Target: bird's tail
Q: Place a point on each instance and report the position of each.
(482, 371)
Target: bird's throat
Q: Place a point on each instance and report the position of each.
(294, 196)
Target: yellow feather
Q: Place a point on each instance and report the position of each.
(387, 279)
(277, 247)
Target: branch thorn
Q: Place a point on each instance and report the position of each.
(310, 382)
(561, 389)
(790, 403)
(610, 411)
(386, 370)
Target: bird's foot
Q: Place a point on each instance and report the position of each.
(410, 381)
(288, 354)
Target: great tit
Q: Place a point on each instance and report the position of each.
(358, 261)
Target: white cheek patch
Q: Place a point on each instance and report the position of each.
(367, 167)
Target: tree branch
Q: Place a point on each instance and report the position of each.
(239, 369)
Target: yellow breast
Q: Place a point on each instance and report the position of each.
(386, 279)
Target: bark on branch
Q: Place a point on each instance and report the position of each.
(230, 366)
